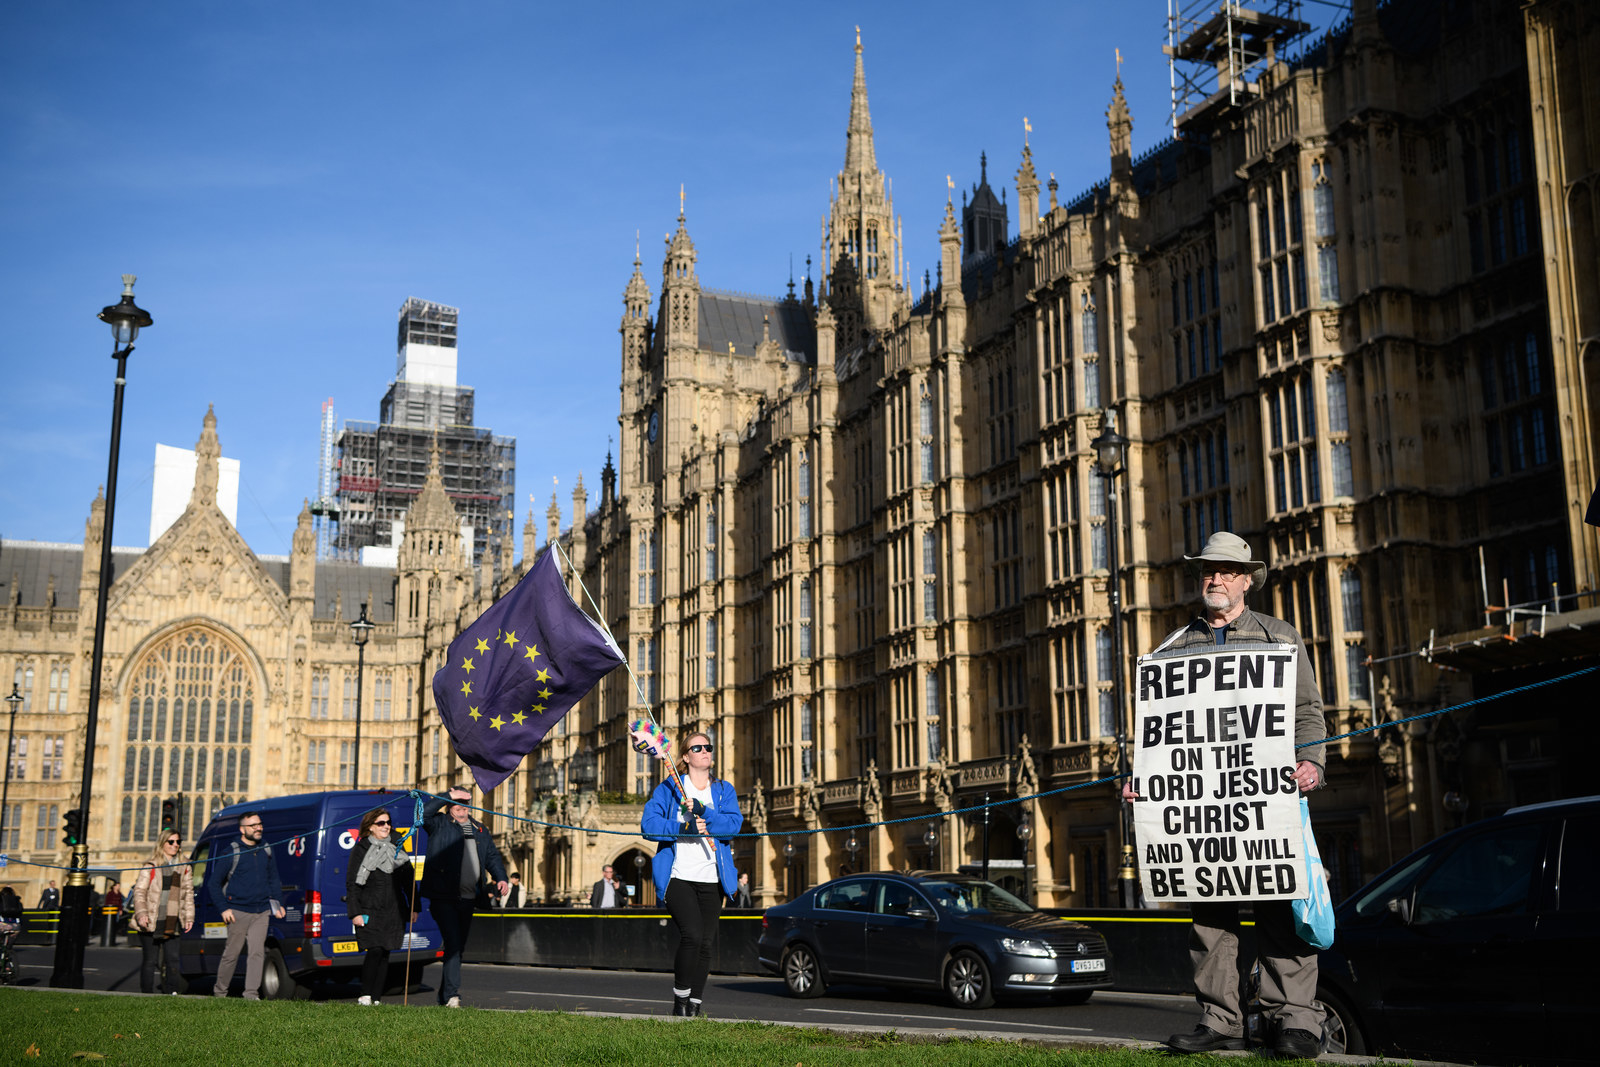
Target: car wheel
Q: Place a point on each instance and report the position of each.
(801, 972)
(1073, 996)
(1341, 1033)
(276, 981)
(967, 981)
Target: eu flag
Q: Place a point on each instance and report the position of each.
(514, 672)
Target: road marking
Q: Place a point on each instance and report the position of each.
(950, 1019)
(580, 996)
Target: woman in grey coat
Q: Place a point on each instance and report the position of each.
(378, 895)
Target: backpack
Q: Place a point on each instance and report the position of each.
(234, 866)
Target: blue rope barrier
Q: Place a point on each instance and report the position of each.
(419, 795)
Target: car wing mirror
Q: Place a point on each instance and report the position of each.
(1401, 906)
(919, 912)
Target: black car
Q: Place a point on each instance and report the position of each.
(1479, 946)
(930, 930)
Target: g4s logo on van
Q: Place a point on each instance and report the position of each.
(297, 846)
(348, 839)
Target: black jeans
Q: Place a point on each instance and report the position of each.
(153, 949)
(375, 972)
(695, 907)
(454, 918)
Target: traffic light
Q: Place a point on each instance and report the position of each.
(73, 832)
(169, 814)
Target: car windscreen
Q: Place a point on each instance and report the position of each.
(970, 898)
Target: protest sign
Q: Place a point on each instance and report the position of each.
(1217, 817)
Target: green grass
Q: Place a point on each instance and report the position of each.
(174, 1032)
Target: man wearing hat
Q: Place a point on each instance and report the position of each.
(1288, 965)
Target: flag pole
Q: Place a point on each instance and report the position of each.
(637, 687)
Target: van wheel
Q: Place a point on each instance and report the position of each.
(395, 980)
(276, 981)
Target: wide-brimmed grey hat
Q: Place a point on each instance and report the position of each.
(1225, 547)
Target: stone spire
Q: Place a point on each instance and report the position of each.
(1027, 188)
(1119, 120)
(433, 509)
(207, 451)
(859, 155)
(680, 287)
(552, 520)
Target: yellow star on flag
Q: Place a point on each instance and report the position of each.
(518, 717)
(537, 708)
(531, 651)
(543, 676)
(483, 646)
(544, 694)
(466, 688)
(497, 722)
(476, 715)
(511, 637)
(466, 665)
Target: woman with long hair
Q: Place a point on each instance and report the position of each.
(163, 908)
(693, 869)
(376, 891)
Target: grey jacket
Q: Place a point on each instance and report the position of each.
(1250, 626)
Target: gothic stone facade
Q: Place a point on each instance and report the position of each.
(858, 536)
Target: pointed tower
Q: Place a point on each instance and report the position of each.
(635, 328)
(431, 553)
(680, 288)
(1027, 189)
(207, 451)
(1119, 120)
(303, 567)
(861, 219)
(984, 219)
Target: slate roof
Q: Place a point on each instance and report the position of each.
(736, 317)
(32, 563)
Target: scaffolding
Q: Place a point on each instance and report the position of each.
(1214, 49)
(324, 508)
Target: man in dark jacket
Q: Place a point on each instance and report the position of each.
(243, 881)
(460, 852)
(1226, 573)
(50, 899)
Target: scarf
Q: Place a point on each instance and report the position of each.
(382, 855)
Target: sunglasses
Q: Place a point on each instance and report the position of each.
(380, 822)
(699, 748)
(173, 841)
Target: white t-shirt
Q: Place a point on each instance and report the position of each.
(695, 859)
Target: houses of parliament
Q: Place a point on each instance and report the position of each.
(857, 533)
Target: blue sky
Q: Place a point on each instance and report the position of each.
(282, 176)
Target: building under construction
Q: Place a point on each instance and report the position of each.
(380, 467)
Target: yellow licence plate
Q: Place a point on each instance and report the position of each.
(346, 946)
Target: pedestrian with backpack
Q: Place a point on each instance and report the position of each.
(244, 883)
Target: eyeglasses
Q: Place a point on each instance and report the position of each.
(699, 748)
(250, 826)
(1223, 572)
(380, 822)
(172, 841)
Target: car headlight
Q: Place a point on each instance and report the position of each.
(1023, 947)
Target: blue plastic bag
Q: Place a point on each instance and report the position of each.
(1313, 913)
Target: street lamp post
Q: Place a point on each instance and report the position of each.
(126, 319)
(788, 867)
(931, 839)
(1111, 450)
(852, 845)
(360, 632)
(1025, 835)
(986, 837)
(15, 700)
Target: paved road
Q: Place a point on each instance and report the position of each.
(1140, 1016)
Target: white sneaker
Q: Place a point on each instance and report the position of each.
(453, 1002)
(365, 1000)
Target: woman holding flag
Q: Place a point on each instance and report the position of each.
(688, 814)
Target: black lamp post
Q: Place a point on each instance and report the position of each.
(1111, 450)
(1025, 835)
(986, 837)
(15, 700)
(931, 839)
(788, 867)
(852, 845)
(360, 632)
(126, 319)
(544, 777)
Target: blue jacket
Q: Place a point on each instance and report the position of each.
(662, 824)
(441, 873)
(254, 884)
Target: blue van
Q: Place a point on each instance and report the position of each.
(311, 836)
